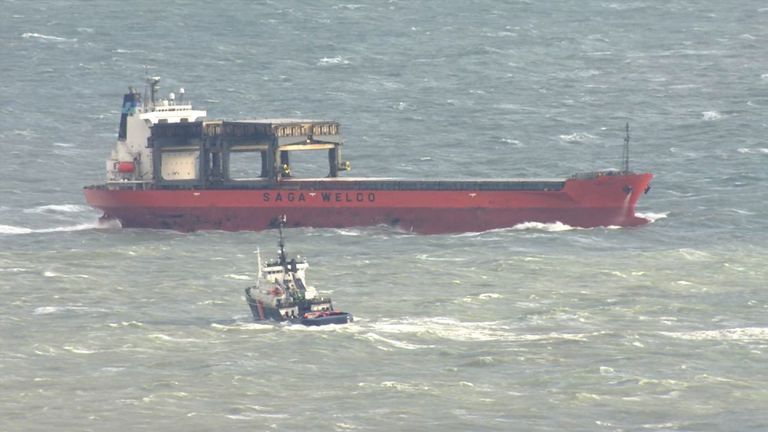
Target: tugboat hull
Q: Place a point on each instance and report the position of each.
(329, 318)
(264, 312)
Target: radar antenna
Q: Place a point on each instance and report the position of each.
(625, 155)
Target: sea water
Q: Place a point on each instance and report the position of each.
(532, 328)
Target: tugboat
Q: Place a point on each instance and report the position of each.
(281, 293)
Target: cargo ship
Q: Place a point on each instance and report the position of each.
(171, 168)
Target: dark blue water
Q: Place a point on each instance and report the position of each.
(536, 327)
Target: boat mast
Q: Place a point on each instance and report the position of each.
(283, 261)
(625, 156)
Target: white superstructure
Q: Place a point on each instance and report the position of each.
(274, 273)
(131, 159)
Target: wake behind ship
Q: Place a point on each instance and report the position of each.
(172, 169)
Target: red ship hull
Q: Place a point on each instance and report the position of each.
(601, 200)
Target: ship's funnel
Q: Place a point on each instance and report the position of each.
(131, 103)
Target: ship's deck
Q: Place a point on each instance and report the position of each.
(405, 184)
(372, 184)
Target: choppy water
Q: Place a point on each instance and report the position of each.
(543, 328)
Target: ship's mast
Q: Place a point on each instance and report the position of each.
(625, 156)
(294, 286)
(154, 87)
(283, 261)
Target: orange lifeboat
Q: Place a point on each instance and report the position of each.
(126, 167)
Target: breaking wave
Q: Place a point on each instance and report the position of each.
(746, 150)
(382, 342)
(576, 137)
(347, 232)
(551, 227)
(742, 333)
(47, 310)
(452, 329)
(46, 37)
(325, 61)
(15, 230)
(480, 298)
(58, 208)
(79, 350)
(652, 217)
(526, 226)
(160, 337)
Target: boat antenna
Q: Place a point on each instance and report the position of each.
(258, 263)
(625, 156)
(282, 243)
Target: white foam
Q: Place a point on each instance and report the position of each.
(78, 350)
(550, 227)
(45, 310)
(745, 150)
(448, 328)
(242, 326)
(739, 333)
(58, 208)
(347, 328)
(525, 226)
(512, 142)
(401, 386)
(344, 232)
(332, 60)
(576, 137)
(426, 257)
(134, 324)
(9, 229)
(254, 415)
(13, 270)
(694, 255)
(164, 337)
(348, 6)
(711, 115)
(46, 37)
(481, 297)
(373, 337)
(652, 217)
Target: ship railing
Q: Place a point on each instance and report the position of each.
(595, 174)
(130, 184)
